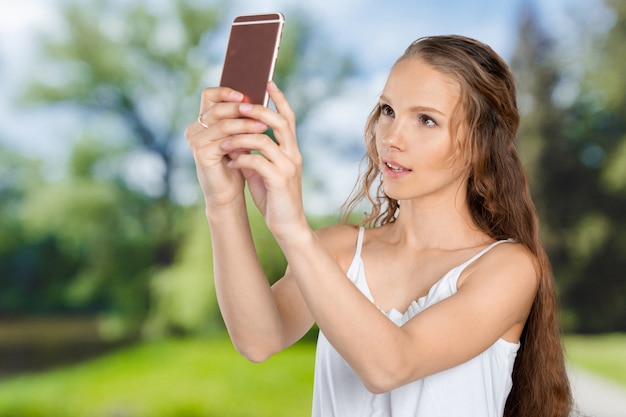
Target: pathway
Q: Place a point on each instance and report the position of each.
(597, 397)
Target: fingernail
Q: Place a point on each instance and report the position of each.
(245, 107)
(225, 144)
(236, 95)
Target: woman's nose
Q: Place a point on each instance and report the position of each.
(393, 136)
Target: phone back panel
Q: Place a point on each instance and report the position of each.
(251, 55)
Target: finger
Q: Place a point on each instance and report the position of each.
(265, 168)
(237, 153)
(210, 97)
(218, 111)
(284, 130)
(290, 166)
(223, 121)
(282, 105)
(213, 95)
(251, 142)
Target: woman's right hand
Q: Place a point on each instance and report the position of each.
(219, 119)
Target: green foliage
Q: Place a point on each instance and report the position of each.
(605, 79)
(183, 294)
(604, 355)
(595, 138)
(613, 177)
(108, 235)
(183, 378)
(132, 66)
(19, 257)
(95, 241)
(574, 152)
(128, 48)
(271, 257)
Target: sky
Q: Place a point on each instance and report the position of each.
(375, 31)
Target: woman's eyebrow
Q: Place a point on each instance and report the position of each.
(426, 109)
(417, 108)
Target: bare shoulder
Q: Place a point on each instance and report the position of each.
(340, 240)
(512, 256)
(509, 264)
(504, 280)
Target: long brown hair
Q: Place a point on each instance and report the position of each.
(499, 201)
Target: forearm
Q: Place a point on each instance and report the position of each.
(365, 337)
(243, 292)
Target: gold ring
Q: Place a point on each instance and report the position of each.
(201, 122)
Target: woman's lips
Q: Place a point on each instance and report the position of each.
(393, 169)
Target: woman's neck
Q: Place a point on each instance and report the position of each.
(442, 226)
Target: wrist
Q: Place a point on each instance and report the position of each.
(218, 213)
(296, 237)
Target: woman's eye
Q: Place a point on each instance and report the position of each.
(427, 121)
(386, 110)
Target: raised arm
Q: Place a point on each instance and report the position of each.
(260, 320)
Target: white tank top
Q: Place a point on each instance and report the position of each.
(476, 388)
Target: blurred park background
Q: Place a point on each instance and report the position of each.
(106, 299)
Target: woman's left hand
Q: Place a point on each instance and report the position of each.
(274, 174)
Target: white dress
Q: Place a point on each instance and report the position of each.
(476, 388)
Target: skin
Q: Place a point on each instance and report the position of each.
(432, 234)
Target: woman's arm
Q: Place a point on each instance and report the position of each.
(259, 320)
(493, 300)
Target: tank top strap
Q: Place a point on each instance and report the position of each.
(359, 242)
(482, 252)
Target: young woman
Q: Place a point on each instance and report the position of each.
(445, 305)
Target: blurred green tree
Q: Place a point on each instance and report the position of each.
(108, 233)
(133, 71)
(123, 223)
(596, 240)
(21, 260)
(572, 149)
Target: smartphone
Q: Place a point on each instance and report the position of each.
(251, 55)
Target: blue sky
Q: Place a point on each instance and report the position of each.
(376, 31)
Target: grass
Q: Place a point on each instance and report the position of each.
(197, 377)
(184, 378)
(603, 355)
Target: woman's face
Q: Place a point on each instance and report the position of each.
(416, 151)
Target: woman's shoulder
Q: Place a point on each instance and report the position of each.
(513, 252)
(341, 241)
(339, 236)
(508, 258)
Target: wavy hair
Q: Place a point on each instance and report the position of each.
(486, 117)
